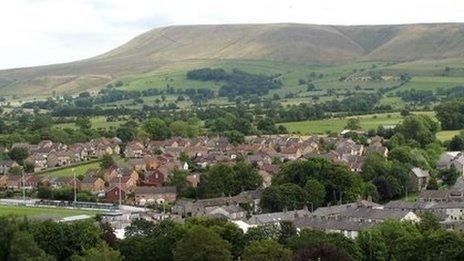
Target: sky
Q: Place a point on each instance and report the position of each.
(38, 32)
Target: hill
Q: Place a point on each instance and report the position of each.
(169, 48)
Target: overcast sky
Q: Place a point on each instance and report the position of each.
(35, 32)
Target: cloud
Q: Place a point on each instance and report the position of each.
(38, 32)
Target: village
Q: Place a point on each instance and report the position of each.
(135, 186)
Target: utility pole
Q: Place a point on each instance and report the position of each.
(75, 186)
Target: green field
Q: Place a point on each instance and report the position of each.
(447, 135)
(78, 170)
(97, 123)
(371, 121)
(42, 211)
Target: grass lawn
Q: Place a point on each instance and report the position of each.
(370, 121)
(79, 170)
(42, 211)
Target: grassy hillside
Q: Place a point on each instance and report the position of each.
(162, 53)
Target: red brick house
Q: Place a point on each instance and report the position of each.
(151, 195)
(154, 178)
(112, 194)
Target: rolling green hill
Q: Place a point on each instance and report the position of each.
(266, 46)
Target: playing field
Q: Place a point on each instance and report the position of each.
(41, 211)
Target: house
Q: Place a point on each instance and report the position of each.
(377, 215)
(150, 163)
(451, 158)
(14, 182)
(276, 217)
(336, 210)
(348, 228)
(377, 147)
(150, 195)
(290, 153)
(134, 149)
(59, 182)
(232, 212)
(444, 195)
(138, 164)
(110, 173)
(93, 184)
(128, 183)
(112, 194)
(3, 179)
(420, 178)
(154, 178)
(6, 165)
(446, 211)
(38, 160)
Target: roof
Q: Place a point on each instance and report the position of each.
(155, 190)
(331, 224)
(374, 213)
(278, 216)
(420, 173)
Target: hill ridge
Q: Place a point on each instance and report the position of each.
(310, 44)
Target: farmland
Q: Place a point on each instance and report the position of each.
(367, 122)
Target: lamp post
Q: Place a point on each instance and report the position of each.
(120, 197)
(23, 182)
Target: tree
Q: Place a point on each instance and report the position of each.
(457, 143)
(63, 240)
(353, 124)
(84, 123)
(320, 252)
(217, 181)
(451, 114)
(418, 128)
(449, 175)
(200, 243)
(286, 196)
(267, 126)
(234, 137)
(316, 192)
(125, 133)
(246, 177)
(308, 242)
(23, 247)
(148, 241)
(100, 253)
(18, 154)
(157, 129)
(266, 250)
(107, 161)
(429, 222)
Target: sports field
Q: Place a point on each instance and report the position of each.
(42, 211)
